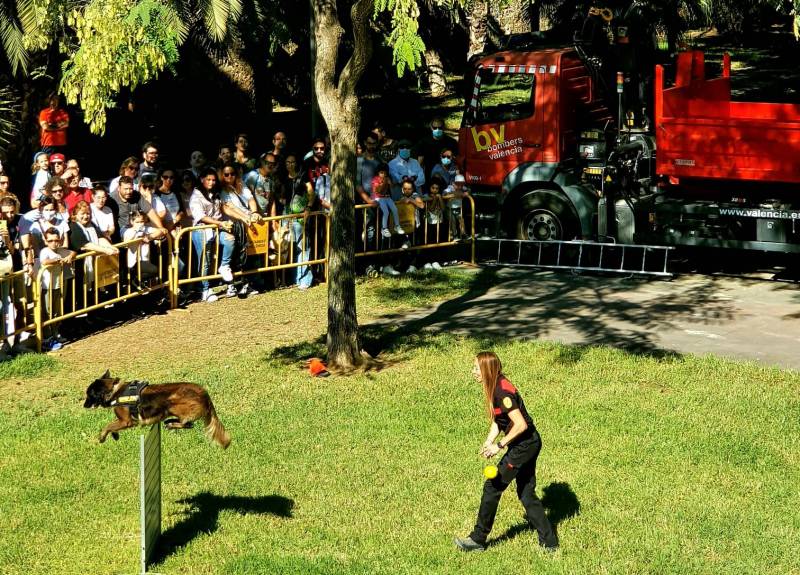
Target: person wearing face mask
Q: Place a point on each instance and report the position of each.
(446, 167)
(405, 168)
(428, 150)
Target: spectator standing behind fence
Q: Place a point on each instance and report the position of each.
(315, 165)
(409, 206)
(264, 186)
(129, 168)
(381, 193)
(53, 124)
(41, 174)
(455, 194)
(224, 156)
(403, 167)
(74, 192)
(140, 267)
(147, 188)
(206, 208)
(428, 150)
(85, 236)
(9, 263)
(241, 155)
(242, 211)
(173, 203)
(5, 185)
(35, 223)
(125, 201)
(300, 203)
(58, 165)
(387, 147)
(84, 182)
(56, 259)
(149, 163)
(446, 168)
(102, 216)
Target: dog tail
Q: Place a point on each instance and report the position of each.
(214, 428)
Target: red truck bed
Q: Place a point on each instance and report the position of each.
(700, 133)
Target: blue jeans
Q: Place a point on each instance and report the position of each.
(387, 205)
(205, 247)
(303, 276)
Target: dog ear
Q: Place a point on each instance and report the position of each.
(106, 375)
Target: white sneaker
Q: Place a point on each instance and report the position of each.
(247, 290)
(427, 266)
(411, 269)
(399, 230)
(404, 246)
(436, 265)
(390, 271)
(386, 233)
(209, 297)
(231, 291)
(226, 273)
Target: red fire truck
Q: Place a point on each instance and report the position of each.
(665, 159)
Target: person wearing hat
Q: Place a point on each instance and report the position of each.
(58, 164)
(404, 168)
(454, 194)
(507, 415)
(53, 122)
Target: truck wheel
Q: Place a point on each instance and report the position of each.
(544, 216)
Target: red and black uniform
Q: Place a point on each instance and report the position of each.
(518, 463)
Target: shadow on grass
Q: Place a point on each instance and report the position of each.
(560, 502)
(202, 516)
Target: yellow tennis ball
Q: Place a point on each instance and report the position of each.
(490, 471)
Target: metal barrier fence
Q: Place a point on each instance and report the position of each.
(278, 243)
(425, 229)
(95, 280)
(58, 292)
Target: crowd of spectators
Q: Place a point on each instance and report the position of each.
(417, 186)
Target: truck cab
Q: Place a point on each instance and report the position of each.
(519, 148)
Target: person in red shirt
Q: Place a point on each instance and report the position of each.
(53, 122)
(75, 192)
(508, 415)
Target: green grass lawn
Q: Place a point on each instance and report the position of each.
(650, 465)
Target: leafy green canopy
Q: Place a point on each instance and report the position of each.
(120, 43)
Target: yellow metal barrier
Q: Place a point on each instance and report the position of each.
(110, 284)
(277, 252)
(110, 280)
(431, 235)
(18, 301)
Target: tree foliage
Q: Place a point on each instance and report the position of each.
(120, 43)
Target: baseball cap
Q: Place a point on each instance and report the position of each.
(56, 157)
(459, 178)
(404, 143)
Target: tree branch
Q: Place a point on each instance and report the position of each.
(360, 14)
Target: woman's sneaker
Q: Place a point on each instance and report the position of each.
(51, 345)
(399, 230)
(386, 233)
(247, 290)
(226, 273)
(436, 265)
(209, 297)
(231, 291)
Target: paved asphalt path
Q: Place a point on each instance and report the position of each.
(738, 318)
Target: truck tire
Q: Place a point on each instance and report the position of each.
(544, 216)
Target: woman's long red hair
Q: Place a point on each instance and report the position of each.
(491, 369)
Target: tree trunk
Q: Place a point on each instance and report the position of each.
(478, 28)
(435, 73)
(340, 108)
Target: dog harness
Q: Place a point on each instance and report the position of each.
(130, 396)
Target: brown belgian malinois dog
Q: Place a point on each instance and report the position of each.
(137, 403)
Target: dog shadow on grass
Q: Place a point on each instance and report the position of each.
(560, 502)
(202, 517)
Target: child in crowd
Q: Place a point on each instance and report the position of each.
(102, 216)
(41, 174)
(408, 207)
(434, 217)
(454, 194)
(56, 261)
(382, 193)
(139, 263)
